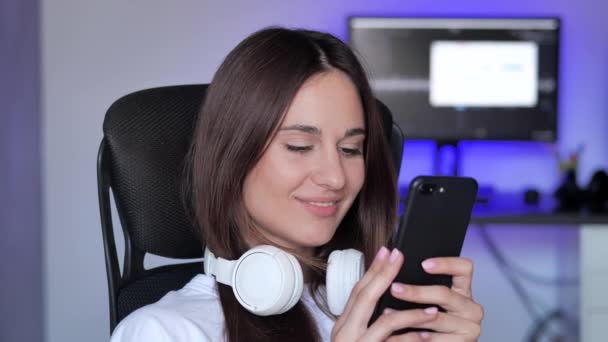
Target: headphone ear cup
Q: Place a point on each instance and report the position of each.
(298, 284)
(267, 281)
(344, 269)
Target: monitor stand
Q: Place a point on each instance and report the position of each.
(441, 146)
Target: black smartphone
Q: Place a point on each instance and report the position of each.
(434, 224)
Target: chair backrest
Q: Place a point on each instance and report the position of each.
(141, 158)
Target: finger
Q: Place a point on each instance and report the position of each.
(391, 321)
(409, 337)
(439, 337)
(461, 270)
(450, 325)
(374, 268)
(366, 298)
(450, 300)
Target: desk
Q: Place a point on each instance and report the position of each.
(591, 250)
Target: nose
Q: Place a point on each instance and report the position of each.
(330, 172)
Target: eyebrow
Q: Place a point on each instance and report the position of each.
(302, 128)
(354, 131)
(314, 130)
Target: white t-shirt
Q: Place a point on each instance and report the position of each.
(193, 313)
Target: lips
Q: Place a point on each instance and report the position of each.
(323, 204)
(321, 207)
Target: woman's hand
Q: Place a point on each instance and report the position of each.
(462, 319)
(352, 324)
(460, 322)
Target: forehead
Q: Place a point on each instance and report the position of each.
(329, 99)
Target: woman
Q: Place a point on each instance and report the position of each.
(290, 152)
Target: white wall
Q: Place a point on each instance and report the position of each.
(96, 51)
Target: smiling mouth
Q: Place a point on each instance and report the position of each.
(323, 209)
(323, 204)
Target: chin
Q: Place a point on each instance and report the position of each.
(317, 238)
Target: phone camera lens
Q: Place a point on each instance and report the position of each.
(427, 188)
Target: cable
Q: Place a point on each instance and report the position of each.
(541, 325)
(558, 281)
(539, 328)
(503, 264)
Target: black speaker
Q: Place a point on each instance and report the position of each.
(569, 195)
(596, 193)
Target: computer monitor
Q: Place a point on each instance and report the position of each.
(451, 79)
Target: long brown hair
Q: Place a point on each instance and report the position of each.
(245, 103)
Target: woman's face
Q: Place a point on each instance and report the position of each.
(313, 168)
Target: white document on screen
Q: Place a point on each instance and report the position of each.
(483, 74)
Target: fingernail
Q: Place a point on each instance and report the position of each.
(394, 255)
(430, 311)
(388, 311)
(382, 253)
(428, 264)
(397, 288)
(425, 335)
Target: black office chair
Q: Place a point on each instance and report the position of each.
(141, 158)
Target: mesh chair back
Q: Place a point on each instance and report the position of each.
(148, 134)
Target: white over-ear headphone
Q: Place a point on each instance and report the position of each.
(268, 281)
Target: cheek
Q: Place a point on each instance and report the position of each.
(355, 172)
(275, 175)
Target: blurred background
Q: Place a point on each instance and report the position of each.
(63, 62)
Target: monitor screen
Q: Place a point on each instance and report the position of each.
(464, 78)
